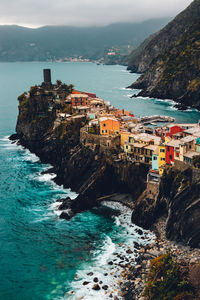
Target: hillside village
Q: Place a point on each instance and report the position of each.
(129, 137)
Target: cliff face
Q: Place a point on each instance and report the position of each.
(175, 75)
(89, 172)
(171, 61)
(180, 204)
(141, 58)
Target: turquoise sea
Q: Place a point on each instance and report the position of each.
(42, 257)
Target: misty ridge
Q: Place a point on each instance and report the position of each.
(59, 42)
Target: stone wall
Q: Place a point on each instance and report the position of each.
(103, 142)
(180, 165)
(152, 189)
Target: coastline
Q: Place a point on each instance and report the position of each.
(130, 271)
(117, 257)
(80, 162)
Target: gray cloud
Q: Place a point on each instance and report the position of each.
(85, 12)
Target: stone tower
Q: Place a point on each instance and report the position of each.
(47, 76)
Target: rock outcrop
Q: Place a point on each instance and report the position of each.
(178, 198)
(89, 172)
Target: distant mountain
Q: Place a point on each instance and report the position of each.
(58, 42)
(171, 61)
(160, 43)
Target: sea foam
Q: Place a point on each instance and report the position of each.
(111, 251)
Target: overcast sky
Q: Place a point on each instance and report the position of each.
(35, 13)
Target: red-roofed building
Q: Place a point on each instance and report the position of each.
(173, 130)
(91, 95)
(169, 131)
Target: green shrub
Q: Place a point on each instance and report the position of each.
(164, 280)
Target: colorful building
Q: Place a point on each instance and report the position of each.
(161, 158)
(109, 126)
(187, 144)
(173, 130)
(172, 151)
(79, 100)
(198, 145)
(122, 112)
(124, 137)
(155, 160)
(149, 151)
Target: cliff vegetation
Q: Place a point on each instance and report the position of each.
(171, 61)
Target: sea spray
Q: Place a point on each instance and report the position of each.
(107, 262)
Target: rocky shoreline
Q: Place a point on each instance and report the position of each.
(135, 277)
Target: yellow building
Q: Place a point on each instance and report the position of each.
(161, 158)
(124, 137)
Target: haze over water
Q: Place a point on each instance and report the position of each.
(41, 256)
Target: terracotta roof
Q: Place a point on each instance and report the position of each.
(173, 143)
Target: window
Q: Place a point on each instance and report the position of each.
(155, 158)
(162, 150)
(167, 148)
(104, 125)
(162, 159)
(127, 147)
(170, 157)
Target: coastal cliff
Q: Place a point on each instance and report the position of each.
(93, 166)
(86, 164)
(170, 61)
(92, 173)
(179, 204)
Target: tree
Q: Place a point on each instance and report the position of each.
(58, 82)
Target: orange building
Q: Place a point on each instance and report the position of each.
(122, 112)
(79, 100)
(109, 125)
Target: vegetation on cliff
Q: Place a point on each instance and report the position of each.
(172, 72)
(166, 280)
(159, 44)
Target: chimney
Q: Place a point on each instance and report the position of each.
(47, 76)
